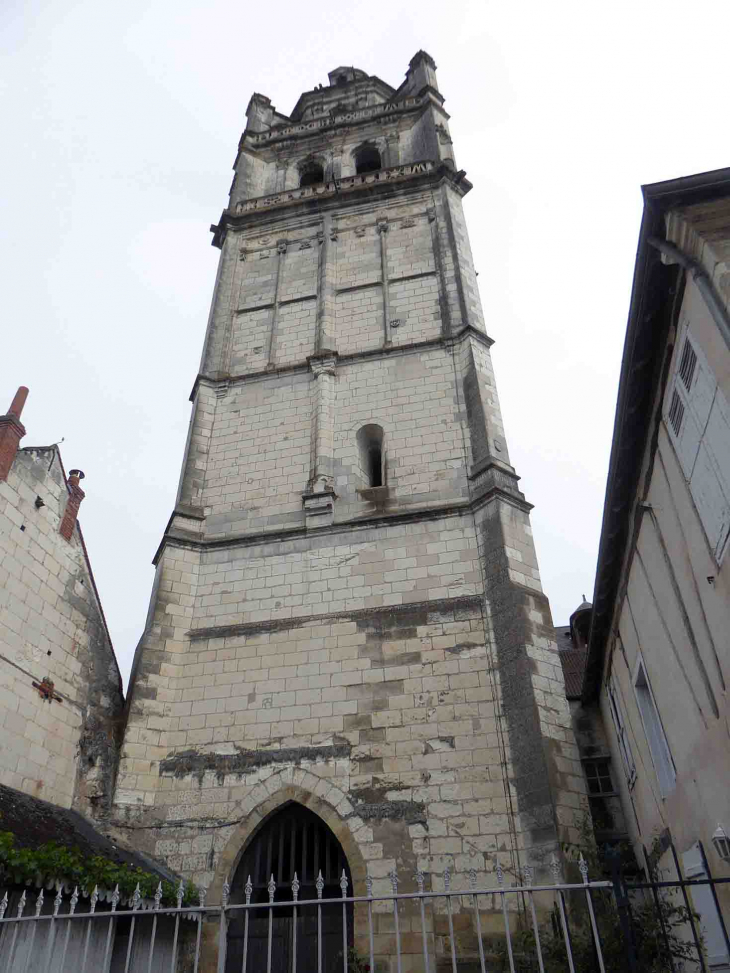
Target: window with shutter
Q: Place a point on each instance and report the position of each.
(705, 906)
(698, 419)
(658, 746)
(676, 413)
(621, 735)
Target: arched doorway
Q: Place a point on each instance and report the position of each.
(293, 839)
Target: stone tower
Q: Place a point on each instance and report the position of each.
(347, 612)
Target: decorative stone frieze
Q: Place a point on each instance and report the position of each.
(327, 189)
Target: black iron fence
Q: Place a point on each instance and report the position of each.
(445, 924)
(675, 918)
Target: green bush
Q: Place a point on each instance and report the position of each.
(71, 866)
(661, 932)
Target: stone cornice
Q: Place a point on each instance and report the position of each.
(492, 491)
(319, 190)
(331, 194)
(415, 347)
(464, 602)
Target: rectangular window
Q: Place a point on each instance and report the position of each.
(598, 776)
(621, 735)
(658, 746)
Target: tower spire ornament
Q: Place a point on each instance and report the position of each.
(347, 590)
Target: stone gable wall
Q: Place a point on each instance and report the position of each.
(62, 750)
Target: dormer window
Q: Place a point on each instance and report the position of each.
(311, 174)
(367, 159)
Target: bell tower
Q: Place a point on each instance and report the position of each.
(347, 609)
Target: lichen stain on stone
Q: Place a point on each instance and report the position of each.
(463, 647)
(192, 763)
(412, 812)
(370, 804)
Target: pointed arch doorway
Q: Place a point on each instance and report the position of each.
(293, 839)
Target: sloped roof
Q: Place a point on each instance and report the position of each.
(34, 822)
(573, 662)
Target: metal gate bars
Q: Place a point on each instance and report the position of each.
(488, 926)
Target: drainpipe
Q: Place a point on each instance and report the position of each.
(704, 283)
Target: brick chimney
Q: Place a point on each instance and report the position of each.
(75, 496)
(12, 431)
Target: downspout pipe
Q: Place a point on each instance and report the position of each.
(701, 278)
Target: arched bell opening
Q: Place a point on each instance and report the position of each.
(291, 841)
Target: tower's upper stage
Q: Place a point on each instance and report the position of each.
(331, 125)
(349, 89)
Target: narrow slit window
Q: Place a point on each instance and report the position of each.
(372, 455)
(375, 465)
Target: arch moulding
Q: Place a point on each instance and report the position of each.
(263, 801)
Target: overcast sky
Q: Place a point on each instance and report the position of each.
(119, 125)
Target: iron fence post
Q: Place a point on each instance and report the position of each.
(624, 912)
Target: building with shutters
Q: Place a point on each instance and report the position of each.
(658, 653)
(347, 619)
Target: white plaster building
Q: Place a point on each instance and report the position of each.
(659, 655)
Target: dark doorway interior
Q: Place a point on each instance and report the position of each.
(293, 840)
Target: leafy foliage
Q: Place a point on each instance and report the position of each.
(356, 963)
(660, 929)
(69, 865)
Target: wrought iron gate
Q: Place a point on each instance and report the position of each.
(294, 842)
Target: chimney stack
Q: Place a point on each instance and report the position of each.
(75, 496)
(12, 431)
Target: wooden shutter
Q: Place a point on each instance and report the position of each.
(697, 417)
(704, 904)
(623, 743)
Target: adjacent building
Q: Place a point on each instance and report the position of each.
(604, 813)
(658, 659)
(61, 723)
(60, 688)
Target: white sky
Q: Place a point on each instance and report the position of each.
(119, 125)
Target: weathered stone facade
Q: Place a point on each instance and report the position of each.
(347, 609)
(60, 690)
